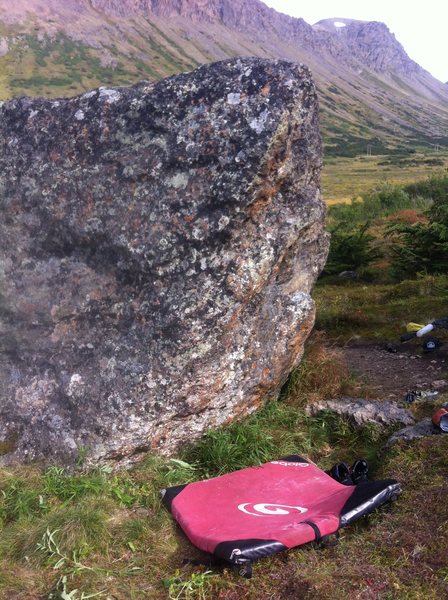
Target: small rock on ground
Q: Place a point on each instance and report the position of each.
(421, 429)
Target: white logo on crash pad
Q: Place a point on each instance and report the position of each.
(268, 510)
(289, 464)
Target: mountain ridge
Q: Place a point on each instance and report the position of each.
(370, 90)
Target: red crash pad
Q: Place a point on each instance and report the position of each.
(262, 510)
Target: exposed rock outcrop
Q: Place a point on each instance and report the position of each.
(372, 44)
(361, 411)
(158, 245)
(352, 43)
(243, 15)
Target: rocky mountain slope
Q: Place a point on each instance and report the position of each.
(372, 95)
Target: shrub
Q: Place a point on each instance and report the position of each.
(434, 188)
(350, 250)
(423, 247)
(407, 215)
(382, 201)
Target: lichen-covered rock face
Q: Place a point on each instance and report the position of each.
(158, 246)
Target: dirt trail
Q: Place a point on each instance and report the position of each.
(394, 374)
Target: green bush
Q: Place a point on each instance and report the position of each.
(382, 201)
(420, 247)
(434, 188)
(350, 250)
(423, 247)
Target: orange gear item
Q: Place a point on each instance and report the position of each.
(440, 419)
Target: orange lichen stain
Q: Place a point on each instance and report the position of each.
(157, 441)
(265, 90)
(233, 322)
(295, 345)
(98, 294)
(135, 224)
(27, 308)
(263, 198)
(105, 133)
(259, 204)
(265, 375)
(255, 402)
(202, 403)
(188, 218)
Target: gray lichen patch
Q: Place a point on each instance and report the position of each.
(110, 96)
(179, 181)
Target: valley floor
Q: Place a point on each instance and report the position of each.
(346, 178)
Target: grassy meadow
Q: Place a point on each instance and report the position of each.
(346, 178)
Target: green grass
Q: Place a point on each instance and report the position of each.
(280, 430)
(94, 543)
(58, 67)
(370, 311)
(346, 178)
(188, 62)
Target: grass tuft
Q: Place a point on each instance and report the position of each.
(196, 587)
(323, 374)
(78, 528)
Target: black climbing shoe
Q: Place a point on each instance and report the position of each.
(359, 471)
(411, 396)
(340, 472)
(391, 347)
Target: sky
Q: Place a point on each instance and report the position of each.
(421, 26)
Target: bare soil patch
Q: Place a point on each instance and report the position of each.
(392, 375)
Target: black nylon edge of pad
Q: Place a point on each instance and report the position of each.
(250, 549)
(368, 496)
(294, 458)
(171, 493)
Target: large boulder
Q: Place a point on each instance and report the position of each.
(158, 246)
